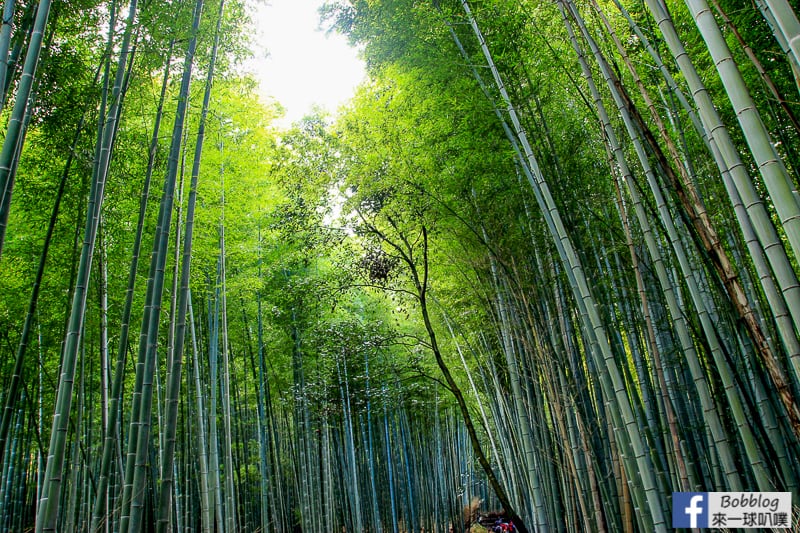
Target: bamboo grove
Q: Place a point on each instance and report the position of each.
(546, 259)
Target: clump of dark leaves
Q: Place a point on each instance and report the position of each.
(378, 265)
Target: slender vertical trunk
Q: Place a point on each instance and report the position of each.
(16, 378)
(759, 232)
(769, 17)
(213, 433)
(758, 139)
(230, 494)
(787, 23)
(207, 513)
(173, 389)
(389, 465)
(762, 72)
(136, 470)
(19, 39)
(263, 397)
(12, 143)
(111, 442)
(632, 442)
(711, 331)
(49, 504)
(104, 362)
(5, 44)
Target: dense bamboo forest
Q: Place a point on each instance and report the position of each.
(545, 260)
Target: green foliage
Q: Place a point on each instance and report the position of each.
(335, 227)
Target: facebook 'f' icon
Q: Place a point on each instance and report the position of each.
(689, 509)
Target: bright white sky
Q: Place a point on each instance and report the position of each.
(297, 64)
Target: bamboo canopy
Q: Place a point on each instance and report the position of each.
(540, 270)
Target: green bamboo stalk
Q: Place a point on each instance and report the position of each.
(19, 39)
(12, 143)
(769, 162)
(110, 442)
(531, 472)
(138, 439)
(5, 44)
(762, 72)
(173, 306)
(213, 363)
(75, 466)
(390, 466)
(206, 507)
(611, 381)
(757, 229)
(173, 390)
(769, 17)
(711, 332)
(16, 378)
(788, 25)
(230, 494)
(49, 503)
(716, 131)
